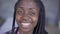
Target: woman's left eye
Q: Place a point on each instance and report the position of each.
(31, 13)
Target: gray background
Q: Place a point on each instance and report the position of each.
(52, 9)
(51, 6)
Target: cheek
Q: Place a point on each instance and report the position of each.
(35, 19)
(18, 18)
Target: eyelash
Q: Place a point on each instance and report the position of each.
(20, 12)
(30, 13)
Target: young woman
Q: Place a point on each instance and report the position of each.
(30, 17)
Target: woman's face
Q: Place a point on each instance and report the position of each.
(27, 15)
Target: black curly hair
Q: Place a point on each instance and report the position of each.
(40, 27)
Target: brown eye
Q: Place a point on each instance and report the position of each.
(20, 12)
(31, 13)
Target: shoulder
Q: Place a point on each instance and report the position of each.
(46, 32)
(9, 32)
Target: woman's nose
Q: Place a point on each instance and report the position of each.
(26, 19)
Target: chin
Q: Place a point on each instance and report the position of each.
(26, 30)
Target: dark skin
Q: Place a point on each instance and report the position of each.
(27, 13)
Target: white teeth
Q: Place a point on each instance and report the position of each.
(26, 24)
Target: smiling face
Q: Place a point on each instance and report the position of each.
(27, 15)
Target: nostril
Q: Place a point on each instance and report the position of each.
(26, 19)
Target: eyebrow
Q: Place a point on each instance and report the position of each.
(29, 8)
(33, 9)
(21, 7)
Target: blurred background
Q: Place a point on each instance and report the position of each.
(52, 8)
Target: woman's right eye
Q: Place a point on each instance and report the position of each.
(20, 12)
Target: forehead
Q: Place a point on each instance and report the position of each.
(27, 4)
